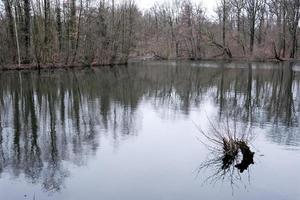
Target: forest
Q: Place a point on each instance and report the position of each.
(104, 32)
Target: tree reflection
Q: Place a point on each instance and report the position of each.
(49, 119)
(49, 122)
(263, 96)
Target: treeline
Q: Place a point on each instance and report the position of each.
(258, 29)
(66, 32)
(100, 32)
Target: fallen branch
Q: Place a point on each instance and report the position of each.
(276, 55)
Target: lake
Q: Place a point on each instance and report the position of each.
(136, 132)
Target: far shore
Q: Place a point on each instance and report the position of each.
(16, 67)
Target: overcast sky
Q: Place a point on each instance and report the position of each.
(208, 4)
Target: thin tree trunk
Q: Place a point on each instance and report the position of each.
(252, 32)
(27, 31)
(224, 23)
(284, 33)
(78, 33)
(59, 24)
(46, 29)
(17, 37)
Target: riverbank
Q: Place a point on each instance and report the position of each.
(16, 67)
(246, 59)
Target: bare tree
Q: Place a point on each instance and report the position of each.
(59, 23)
(90, 32)
(27, 31)
(238, 6)
(253, 7)
(293, 16)
(11, 26)
(17, 33)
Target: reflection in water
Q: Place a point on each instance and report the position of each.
(263, 96)
(230, 153)
(229, 147)
(51, 119)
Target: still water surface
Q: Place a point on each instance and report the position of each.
(132, 133)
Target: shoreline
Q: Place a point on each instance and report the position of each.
(53, 66)
(35, 67)
(220, 59)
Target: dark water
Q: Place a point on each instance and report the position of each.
(133, 132)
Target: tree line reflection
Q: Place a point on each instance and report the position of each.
(49, 119)
(53, 118)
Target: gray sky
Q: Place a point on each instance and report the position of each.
(208, 4)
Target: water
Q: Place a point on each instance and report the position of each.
(134, 132)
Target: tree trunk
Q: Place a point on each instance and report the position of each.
(239, 21)
(46, 29)
(73, 24)
(284, 33)
(11, 27)
(224, 23)
(17, 37)
(27, 31)
(59, 24)
(294, 27)
(252, 34)
(78, 33)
